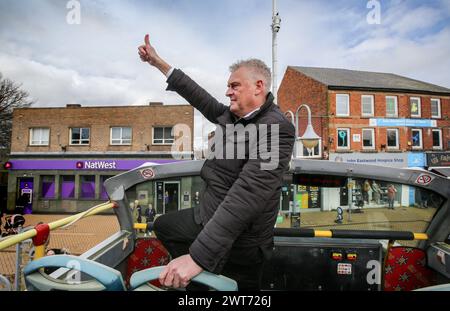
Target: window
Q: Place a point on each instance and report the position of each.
(415, 107)
(162, 135)
(367, 103)
(67, 186)
(342, 105)
(87, 190)
(104, 194)
(80, 136)
(437, 139)
(121, 136)
(48, 187)
(416, 137)
(343, 138)
(303, 152)
(368, 137)
(435, 108)
(39, 136)
(391, 106)
(392, 138)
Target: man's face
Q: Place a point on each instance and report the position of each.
(242, 91)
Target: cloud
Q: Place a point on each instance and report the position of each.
(96, 62)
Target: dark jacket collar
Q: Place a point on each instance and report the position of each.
(229, 117)
(262, 108)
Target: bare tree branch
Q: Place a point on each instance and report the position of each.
(11, 97)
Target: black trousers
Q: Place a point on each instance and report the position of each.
(177, 231)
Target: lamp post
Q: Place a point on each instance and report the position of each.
(276, 20)
(310, 140)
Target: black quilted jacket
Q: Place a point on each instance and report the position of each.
(240, 203)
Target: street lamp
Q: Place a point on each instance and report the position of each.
(310, 140)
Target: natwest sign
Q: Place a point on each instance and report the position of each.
(96, 165)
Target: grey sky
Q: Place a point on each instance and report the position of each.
(96, 62)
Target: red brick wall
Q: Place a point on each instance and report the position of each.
(297, 89)
(99, 119)
(355, 122)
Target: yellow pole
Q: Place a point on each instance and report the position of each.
(323, 234)
(39, 251)
(420, 236)
(53, 225)
(140, 226)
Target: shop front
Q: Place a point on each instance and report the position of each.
(64, 186)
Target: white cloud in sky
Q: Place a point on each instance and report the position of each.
(96, 62)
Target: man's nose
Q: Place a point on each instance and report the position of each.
(229, 92)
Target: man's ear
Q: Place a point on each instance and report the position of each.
(260, 86)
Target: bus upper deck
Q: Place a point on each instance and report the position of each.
(341, 227)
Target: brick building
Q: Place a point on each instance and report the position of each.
(61, 156)
(369, 117)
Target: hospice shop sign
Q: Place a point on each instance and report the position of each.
(399, 160)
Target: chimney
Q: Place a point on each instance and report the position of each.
(73, 106)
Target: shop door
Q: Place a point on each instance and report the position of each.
(171, 196)
(25, 194)
(344, 196)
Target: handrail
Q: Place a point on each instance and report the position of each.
(350, 234)
(11, 240)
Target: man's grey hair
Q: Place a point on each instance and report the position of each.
(258, 67)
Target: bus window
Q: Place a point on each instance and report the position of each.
(367, 204)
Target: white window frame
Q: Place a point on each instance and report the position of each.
(419, 113)
(396, 147)
(438, 101)
(347, 114)
(165, 141)
(348, 138)
(373, 138)
(121, 139)
(41, 141)
(396, 106)
(81, 135)
(421, 139)
(440, 139)
(372, 104)
(301, 152)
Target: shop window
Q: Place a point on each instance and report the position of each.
(48, 187)
(392, 138)
(437, 139)
(67, 186)
(416, 137)
(368, 137)
(343, 138)
(39, 136)
(162, 135)
(104, 194)
(87, 190)
(80, 136)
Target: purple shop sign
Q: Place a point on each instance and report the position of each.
(93, 165)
